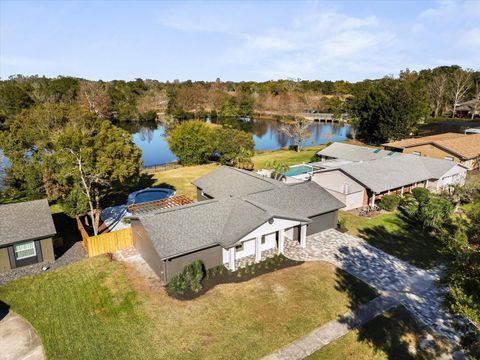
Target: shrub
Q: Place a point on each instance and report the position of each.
(389, 202)
(409, 205)
(422, 195)
(342, 225)
(177, 284)
(435, 212)
(190, 278)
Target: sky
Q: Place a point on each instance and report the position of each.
(238, 41)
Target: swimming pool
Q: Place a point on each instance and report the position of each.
(298, 170)
(150, 194)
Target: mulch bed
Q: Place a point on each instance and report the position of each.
(220, 275)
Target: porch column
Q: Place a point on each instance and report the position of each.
(258, 253)
(303, 236)
(281, 241)
(401, 191)
(426, 184)
(231, 258)
(373, 200)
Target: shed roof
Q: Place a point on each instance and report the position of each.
(354, 152)
(391, 173)
(24, 221)
(228, 181)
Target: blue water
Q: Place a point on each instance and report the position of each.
(266, 136)
(297, 170)
(151, 195)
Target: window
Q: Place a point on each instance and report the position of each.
(264, 238)
(239, 247)
(449, 158)
(24, 250)
(417, 153)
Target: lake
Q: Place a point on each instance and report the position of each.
(150, 137)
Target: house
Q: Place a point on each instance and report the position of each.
(470, 108)
(362, 183)
(353, 153)
(241, 217)
(460, 148)
(26, 232)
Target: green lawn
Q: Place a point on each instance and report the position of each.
(396, 235)
(101, 309)
(393, 335)
(289, 157)
(181, 179)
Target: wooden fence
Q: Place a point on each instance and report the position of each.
(105, 243)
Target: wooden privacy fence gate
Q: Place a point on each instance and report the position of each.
(105, 243)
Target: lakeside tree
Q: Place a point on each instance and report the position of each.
(438, 88)
(195, 142)
(191, 142)
(89, 162)
(297, 130)
(389, 109)
(56, 150)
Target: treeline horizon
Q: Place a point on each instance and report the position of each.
(149, 100)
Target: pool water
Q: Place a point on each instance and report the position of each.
(149, 195)
(297, 170)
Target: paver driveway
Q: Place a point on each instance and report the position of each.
(416, 289)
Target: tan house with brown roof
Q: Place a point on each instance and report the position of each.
(461, 148)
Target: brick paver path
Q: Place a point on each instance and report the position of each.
(414, 288)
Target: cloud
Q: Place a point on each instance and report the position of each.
(319, 44)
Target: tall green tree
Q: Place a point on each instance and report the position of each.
(91, 161)
(389, 109)
(191, 142)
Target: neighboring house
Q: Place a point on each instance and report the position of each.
(468, 108)
(472, 131)
(242, 217)
(362, 183)
(460, 148)
(354, 153)
(26, 232)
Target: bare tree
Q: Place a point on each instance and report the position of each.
(461, 82)
(438, 88)
(93, 96)
(476, 104)
(297, 129)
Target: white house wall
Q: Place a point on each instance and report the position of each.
(333, 181)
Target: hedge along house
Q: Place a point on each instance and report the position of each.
(26, 232)
(363, 183)
(234, 229)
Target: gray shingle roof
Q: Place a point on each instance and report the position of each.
(306, 199)
(350, 152)
(207, 223)
(228, 181)
(25, 221)
(391, 173)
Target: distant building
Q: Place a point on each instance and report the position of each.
(460, 148)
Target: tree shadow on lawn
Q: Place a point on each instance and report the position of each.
(409, 243)
(358, 292)
(398, 334)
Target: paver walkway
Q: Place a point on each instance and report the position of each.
(334, 329)
(18, 339)
(416, 289)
